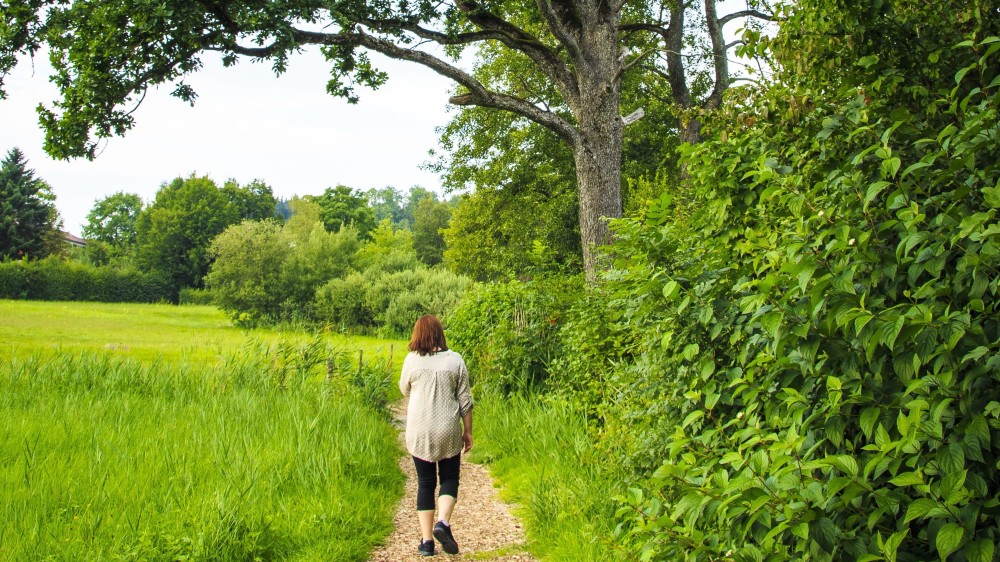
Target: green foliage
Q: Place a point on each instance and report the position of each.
(254, 201)
(299, 272)
(112, 223)
(496, 235)
(390, 249)
(13, 281)
(175, 231)
(429, 220)
(196, 297)
(341, 206)
(509, 332)
(823, 310)
(314, 261)
(391, 301)
(340, 303)
(54, 278)
(413, 199)
(266, 272)
(246, 269)
(387, 203)
(29, 222)
(399, 299)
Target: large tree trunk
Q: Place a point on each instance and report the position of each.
(598, 152)
(598, 172)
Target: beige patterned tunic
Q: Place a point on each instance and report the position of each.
(438, 387)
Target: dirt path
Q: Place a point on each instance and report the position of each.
(483, 525)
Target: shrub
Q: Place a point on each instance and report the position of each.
(244, 276)
(340, 303)
(397, 300)
(821, 377)
(509, 332)
(191, 295)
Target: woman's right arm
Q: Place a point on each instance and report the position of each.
(467, 433)
(404, 378)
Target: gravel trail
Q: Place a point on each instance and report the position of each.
(483, 525)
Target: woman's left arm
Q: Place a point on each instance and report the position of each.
(462, 391)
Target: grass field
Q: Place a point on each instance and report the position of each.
(147, 432)
(146, 332)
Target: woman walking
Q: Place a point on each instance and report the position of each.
(438, 427)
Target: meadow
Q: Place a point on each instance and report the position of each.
(148, 432)
(147, 332)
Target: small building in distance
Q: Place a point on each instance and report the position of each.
(72, 240)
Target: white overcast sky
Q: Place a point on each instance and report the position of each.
(246, 124)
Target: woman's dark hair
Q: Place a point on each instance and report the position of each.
(428, 336)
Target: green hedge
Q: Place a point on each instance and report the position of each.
(56, 279)
(191, 295)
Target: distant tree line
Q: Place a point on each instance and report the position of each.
(344, 257)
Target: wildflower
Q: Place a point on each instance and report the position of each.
(850, 242)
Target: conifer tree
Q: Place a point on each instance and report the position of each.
(29, 222)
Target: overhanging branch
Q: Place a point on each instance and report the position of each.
(516, 38)
(549, 120)
(746, 14)
(435, 36)
(478, 93)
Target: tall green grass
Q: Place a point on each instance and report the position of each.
(541, 454)
(255, 457)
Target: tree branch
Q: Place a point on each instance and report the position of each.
(478, 93)
(435, 36)
(746, 14)
(625, 67)
(721, 63)
(650, 27)
(550, 121)
(520, 40)
(558, 27)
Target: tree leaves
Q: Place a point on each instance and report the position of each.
(948, 539)
(858, 258)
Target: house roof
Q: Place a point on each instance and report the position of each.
(73, 239)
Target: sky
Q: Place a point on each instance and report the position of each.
(246, 124)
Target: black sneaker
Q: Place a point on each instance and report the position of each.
(442, 533)
(426, 548)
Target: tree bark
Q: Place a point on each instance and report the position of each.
(598, 171)
(598, 150)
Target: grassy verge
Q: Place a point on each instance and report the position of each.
(110, 458)
(542, 457)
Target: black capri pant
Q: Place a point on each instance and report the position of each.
(428, 474)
